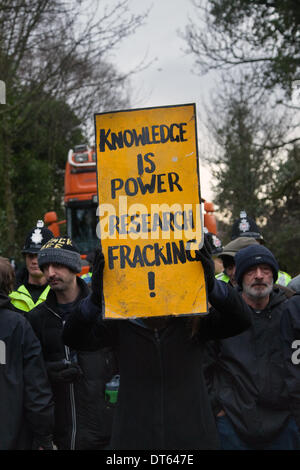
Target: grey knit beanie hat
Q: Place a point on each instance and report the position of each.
(62, 251)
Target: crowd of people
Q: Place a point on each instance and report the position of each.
(228, 380)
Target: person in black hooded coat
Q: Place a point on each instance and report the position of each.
(26, 404)
(163, 401)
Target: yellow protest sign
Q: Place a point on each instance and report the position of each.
(149, 207)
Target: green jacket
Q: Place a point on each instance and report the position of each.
(22, 299)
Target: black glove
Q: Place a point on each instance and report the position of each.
(97, 278)
(42, 443)
(204, 255)
(62, 372)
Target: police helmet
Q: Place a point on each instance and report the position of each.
(214, 241)
(36, 238)
(245, 226)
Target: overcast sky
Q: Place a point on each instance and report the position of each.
(169, 80)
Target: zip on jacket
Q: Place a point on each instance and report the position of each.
(71, 388)
(73, 406)
(158, 344)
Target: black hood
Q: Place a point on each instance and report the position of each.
(277, 296)
(5, 301)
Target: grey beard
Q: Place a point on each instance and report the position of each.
(255, 294)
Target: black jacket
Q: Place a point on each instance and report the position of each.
(290, 330)
(83, 419)
(26, 405)
(246, 376)
(163, 401)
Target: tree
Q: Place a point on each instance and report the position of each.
(57, 47)
(243, 162)
(54, 59)
(37, 162)
(260, 41)
(282, 230)
(251, 173)
(262, 35)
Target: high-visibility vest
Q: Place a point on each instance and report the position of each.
(222, 277)
(283, 278)
(22, 299)
(87, 277)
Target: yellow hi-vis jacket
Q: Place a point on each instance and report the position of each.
(283, 278)
(22, 299)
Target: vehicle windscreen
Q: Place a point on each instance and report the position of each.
(81, 227)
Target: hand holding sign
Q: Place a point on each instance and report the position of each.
(97, 277)
(204, 255)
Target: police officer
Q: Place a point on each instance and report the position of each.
(32, 289)
(88, 276)
(228, 254)
(245, 226)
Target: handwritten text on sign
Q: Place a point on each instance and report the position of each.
(149, 207)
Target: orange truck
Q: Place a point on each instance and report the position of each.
(81, 201)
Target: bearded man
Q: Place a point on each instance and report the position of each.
(246, 373)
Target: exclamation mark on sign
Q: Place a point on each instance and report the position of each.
(151, 283)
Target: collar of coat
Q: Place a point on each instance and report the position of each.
(277, 296)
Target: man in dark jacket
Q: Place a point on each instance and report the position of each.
(26, 404)
(290, 330)
(246, 373)
(82, 417)
(163, 401)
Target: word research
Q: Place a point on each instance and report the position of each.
(117, 460)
